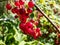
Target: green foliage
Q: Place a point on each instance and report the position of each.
(2, 8)
(10, 34)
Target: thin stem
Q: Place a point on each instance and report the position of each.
(47, 18)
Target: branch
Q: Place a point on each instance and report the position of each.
(47, 18)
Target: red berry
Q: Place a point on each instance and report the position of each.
(35, 36)
(40, 15)
(17, 3)
(29, 31)
(15, 10)
(22, 27)
(22, 11)
(30, 0)
(56, 42)
(29, 25)
(27, 15)
(32, 20)
(21, 2)
(29, 10)
(37, 29)
(23, 18)
(37, 33)
(31, 4)
(16, 16)
(58, 26)
(36, 23)
(59, 35)
(8, 6)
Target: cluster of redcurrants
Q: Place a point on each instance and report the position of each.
(23, 13)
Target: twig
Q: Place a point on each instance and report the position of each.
(47, 18)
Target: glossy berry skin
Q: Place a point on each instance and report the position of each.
(8, 6)
(35, 36)
(36, 23)
(58, 35)
(31, 4)
(40, 15)
(38, 30)
(16, 16)
(22, 27)
(22, 11)
(17, 3)
(30, 31)
(27, 15)
(37, 33)
(21, 2)
(23, 18)
(29, 10)
(32, 21)
(15, 10)
(29, 25)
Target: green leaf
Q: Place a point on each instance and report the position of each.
(9, 39)
(1, 42)
(32, 15)
(22, 43)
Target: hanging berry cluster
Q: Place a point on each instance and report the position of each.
(23, 13)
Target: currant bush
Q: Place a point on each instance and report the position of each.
(22, 23)
(23, 14)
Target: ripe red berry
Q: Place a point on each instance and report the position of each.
(37, 33)
(29, 10)
(40, 15)
(15, 10)
(23, 18)
(16, 16)
(8, 6)
(56, 42)
(29, 25)
(35, 36)
(17, 3)
(22, 11)
(58, 26)
(30, 4)
(59, 35)
(29, 31)
(22, 27)
(21, 2)
(30, 0)
(37, 29)
(36, 23)
(32, 20)
(27, 15)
